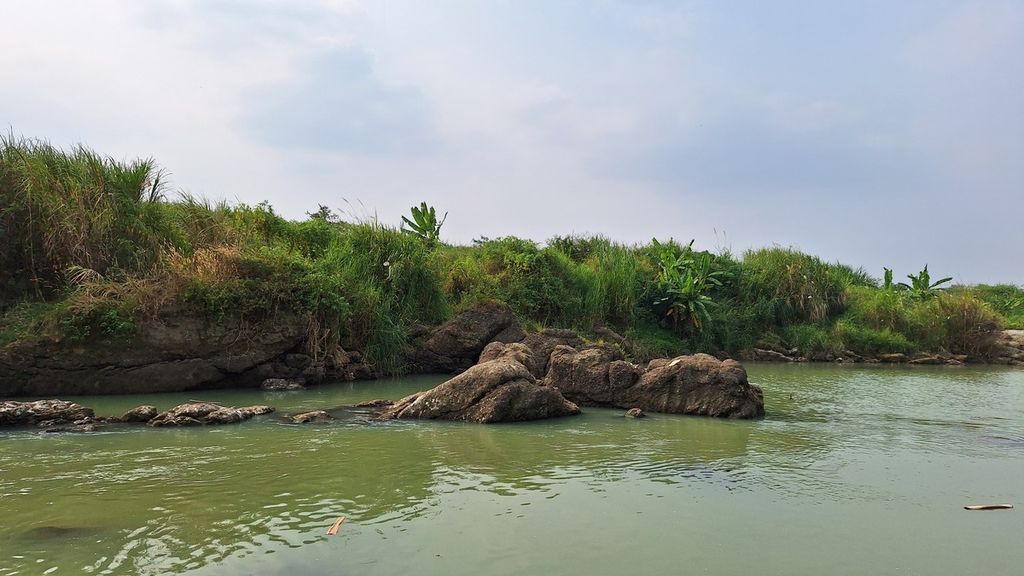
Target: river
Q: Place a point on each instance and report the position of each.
(855, 470)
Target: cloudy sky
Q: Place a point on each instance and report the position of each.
(877, 133)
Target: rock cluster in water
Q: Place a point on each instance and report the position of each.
(206, 413)
(64, 416)
(544, 375)
(45, 413)
(500, 390)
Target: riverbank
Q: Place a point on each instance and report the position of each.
(104, 275)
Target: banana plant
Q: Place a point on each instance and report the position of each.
(424, 224)
(684, 280)
(888, 286)
(921, 287)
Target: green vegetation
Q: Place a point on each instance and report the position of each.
(424, 224)
(921, 287)
(91, 247)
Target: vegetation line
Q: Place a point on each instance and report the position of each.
(91, 246)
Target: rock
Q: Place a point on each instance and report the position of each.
(297, 361)
(501, 390)
(1008, 348)
(591, 377)
(613, 337)
(635, 413)
(179, 350)
(544, 342)
(456, 344)
(143, 413)
(204, 413)
(315, 416)
(515, 351)
(43, 413)
(892, 358)
(378, 403)
(225, 416)
(257, 410)
(281, 384)
(698, 384)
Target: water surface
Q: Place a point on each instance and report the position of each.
(855, 470)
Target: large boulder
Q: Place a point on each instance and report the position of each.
(206, 413)
(500, 390)
(43, 413)
(456, 345)
(698, 384)
(534, 350)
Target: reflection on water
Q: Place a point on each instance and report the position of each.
(893, 452)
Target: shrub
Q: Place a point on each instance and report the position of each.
(970, 324)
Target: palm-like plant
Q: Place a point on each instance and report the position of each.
(424, 223)
(921, 287)
(685, 279)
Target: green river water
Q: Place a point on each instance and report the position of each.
(855, 470)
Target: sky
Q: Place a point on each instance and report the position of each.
(875, 133)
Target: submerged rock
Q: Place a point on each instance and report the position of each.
(315, 416)
(501, 390)
(44, 413)
(206, 413)
(378, 403)
(699, 384)
(635, 413)
(281, 384)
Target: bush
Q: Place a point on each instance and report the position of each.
(970, 324)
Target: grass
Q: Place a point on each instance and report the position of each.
(89, 246)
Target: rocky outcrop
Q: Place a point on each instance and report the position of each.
(455, 345)
(44, 413)
(698, 384)
(179, 350)
(174, 352)
(206, 413)
(1009, 348)
(499, 390)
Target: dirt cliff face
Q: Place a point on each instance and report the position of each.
(171, 353)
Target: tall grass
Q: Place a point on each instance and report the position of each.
(89, 246)
(800, 287)
(62, 209)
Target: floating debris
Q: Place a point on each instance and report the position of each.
(334, 527)
(989, 507)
